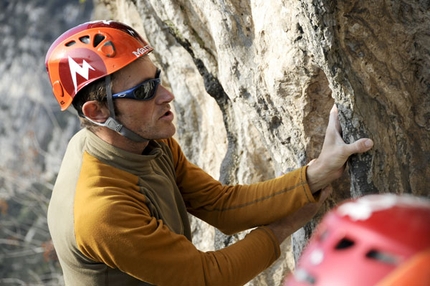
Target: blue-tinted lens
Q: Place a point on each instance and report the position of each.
(143, 91)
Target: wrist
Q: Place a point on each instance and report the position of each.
(280, 230)
(316, 178)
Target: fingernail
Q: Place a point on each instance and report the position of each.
(368, 143)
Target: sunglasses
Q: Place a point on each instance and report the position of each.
(143, 91)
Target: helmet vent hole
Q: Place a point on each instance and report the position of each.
(85, 39)
(302, 275)
(384, 257)
(98, 39)
(344, 243)
(323, 235)
(71, 43)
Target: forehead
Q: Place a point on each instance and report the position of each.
(134, 73)
(141, 65)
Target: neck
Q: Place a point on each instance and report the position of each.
(115, 139)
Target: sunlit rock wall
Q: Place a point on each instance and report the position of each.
(255, 80)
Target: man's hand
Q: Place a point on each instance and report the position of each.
(335, 152)
(320, 173)
(286, 226)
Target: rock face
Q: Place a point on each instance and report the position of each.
(255, 81)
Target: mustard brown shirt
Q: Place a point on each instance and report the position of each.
(117, 218)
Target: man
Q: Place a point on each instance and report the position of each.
(118, 212)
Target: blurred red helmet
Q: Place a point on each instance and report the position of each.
(367, 241)
(88, 52)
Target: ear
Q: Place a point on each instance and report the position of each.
(95, 111)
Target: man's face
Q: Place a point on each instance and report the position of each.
(151, 119)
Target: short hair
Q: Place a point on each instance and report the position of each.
(96, 90)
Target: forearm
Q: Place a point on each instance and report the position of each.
(233, 209)
(238, 263)
(287, 225)
(160, 257)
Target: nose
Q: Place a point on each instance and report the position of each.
(163, 95)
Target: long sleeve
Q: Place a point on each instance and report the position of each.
(236, 208)
(119, 219)
(114, 226)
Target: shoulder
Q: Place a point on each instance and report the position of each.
(79, 138)
(172, 146)
(103, 195)
(170, 142)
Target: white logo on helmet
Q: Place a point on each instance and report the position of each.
(83, 71)
(364, 207)
(140, 51)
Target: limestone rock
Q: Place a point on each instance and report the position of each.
(255, 81)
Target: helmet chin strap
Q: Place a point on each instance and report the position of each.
(112, 123)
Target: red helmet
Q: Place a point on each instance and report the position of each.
(88, 52)
(365, 240)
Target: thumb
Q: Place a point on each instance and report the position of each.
(360, 146)
(325, 193)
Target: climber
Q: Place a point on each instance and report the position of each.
(373, 240)
(118, 214)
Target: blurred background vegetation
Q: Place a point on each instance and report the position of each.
(33, 135)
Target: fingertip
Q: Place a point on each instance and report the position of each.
(325, 193)
(328, 190)
(360, 146)
(334, 118)
(368, 143)
(333, 109)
